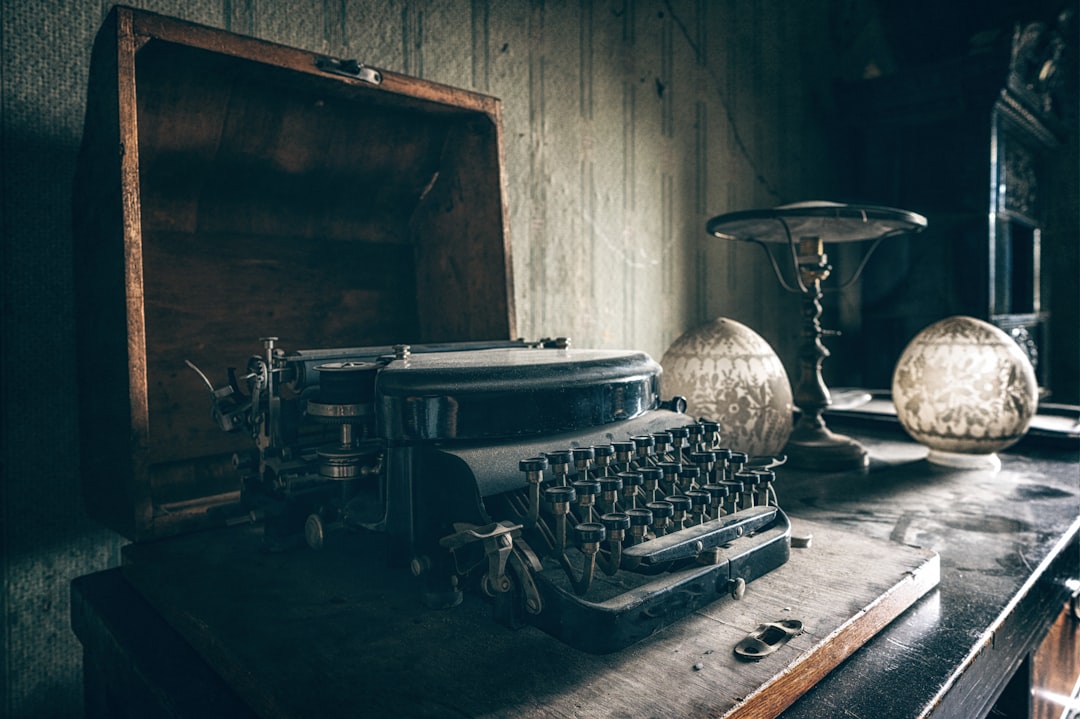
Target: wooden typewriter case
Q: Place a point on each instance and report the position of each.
(229, 189)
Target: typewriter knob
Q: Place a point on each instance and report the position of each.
(533, 464)
(710, 432)
(671, 472)
(533, 467)
(651, 477)
(680, 502)
(661, 508)
(750, 481)
(640, 519)
(662, 511)
(623, 452)
(582, 453)
(561, 457)
(679, 436)
(767, 478)
(644, 444)
(697, 497)
(610, 487)
(630, 483)
(583, 459)
(615, 521)
(723, 456)
(560, 461)
(560, 498)
(616, 524)
(590, 533)
(587, 489)
(717, 493)
(688, 477)
(704, 459)
(676, 404)
(699, 502)
(707, 462)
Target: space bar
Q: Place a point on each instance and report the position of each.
(690, 542)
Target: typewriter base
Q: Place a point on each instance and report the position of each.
(324, 633)
(633, 613)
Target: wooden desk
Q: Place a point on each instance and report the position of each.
(1007, 544)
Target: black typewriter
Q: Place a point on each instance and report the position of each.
(554, 480)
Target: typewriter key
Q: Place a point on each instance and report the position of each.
(679, 436)
(560, 498)
(616, 524)
(624, 451)
(560, 464)
(651, 477)
(589, 533)
(662, 511)
(699, 504)
(688, 477)
(645, 447)
(583, 459)
(604, 454)
(750, 482)
(631, 481)
(609, 488)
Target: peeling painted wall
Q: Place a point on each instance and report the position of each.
(627, 125)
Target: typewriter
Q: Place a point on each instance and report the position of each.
(556, 481)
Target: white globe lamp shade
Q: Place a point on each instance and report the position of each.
(966, 390)
(729, 374)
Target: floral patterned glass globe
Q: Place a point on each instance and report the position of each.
(729, 374)
(966, 390)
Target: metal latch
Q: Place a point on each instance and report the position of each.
(348, 68)
(767, 638)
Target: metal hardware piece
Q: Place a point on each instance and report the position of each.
(348, 68)
(690, 542)
(802, 541)
(767, 638)
(524, 563)
(498, 544)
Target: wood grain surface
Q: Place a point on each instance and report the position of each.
(335, 633)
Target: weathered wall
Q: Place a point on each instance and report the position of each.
(627, 124)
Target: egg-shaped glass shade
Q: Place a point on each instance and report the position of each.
(729, 374)
(966, 390)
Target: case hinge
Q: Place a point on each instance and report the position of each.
(348, 68)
